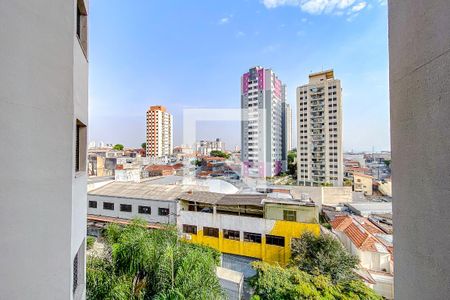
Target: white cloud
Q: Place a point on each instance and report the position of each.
(240, 34)
(276, 3)
(360, 6)
(317, 7)
(225, 20)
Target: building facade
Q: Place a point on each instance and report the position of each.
(159, 132)
(44, 106)
(253, 226)
(319, 130)
(262, 106)
(419, 85)
(286, 119)
(205, 147)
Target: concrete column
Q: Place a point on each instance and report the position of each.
(419, 44)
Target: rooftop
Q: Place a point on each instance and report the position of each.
(363, 234)
(370, 207)
(255, 199)
(144, 190)
(223, 199)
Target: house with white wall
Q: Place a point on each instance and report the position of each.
(372, 246)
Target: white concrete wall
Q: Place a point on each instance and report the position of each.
(43, 90)
(419, 44)
(116, 213)
(230, 222)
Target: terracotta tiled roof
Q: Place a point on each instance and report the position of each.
(159, 168)
(368, 225)
(357, 236)
(361, 174)
(361, 170)
(341, 222)
(361, 232)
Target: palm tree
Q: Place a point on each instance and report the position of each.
(155, 264)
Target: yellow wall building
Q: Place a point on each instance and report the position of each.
(246, 225)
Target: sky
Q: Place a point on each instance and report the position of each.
(191, 54)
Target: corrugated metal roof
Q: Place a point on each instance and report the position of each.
(144, 190)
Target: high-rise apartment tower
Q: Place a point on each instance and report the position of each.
(262, 103)
(159, 132)
(287, 130)
(319, 130)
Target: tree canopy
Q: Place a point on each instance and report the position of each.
(292, 163)
(152, 264)
(323, 255)
(273, 282)
(218, 153)
(118, 147)
(144, 146)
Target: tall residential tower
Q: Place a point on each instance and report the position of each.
(287, 131)
(159, 132)
(319, 130)
(262, 104)
(44, 121)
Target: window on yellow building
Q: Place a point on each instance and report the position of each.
(210, 231)
(231, 234)
(252, 237)
(190, 229)
(289, 215)
(275, 240)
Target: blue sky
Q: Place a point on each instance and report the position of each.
(191, 54)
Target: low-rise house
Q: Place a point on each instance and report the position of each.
(164, 170)
(372, 246)
(363, 183)
(349, 171)
(385, 187)
(351, 163)
(127, 174)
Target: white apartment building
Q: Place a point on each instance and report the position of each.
(287, 129)
(319, 130)
(262, 105)
(159, 132)
(43, 118)
(205, 147)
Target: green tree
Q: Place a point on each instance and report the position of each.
(144, 146)
(118, 147)
(387, 162)
(273, 282)
(292, 163)
(143, 264)
(323, 255)
(348, 182)
(218, 153)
